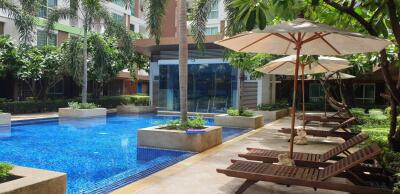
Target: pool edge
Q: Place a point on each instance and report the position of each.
(160, 175)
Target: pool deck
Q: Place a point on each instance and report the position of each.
(197, 174)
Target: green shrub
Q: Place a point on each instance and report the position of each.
(195, 123)
(375, 111)
(239, 112)
(271, 107)
(232, 112)
(23, 107)
(4, 171)
(78, 105)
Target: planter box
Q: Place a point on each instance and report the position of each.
(179, 140)
(81, 113)
(135, 109)
(31, 180)
(273, 115)
(5, 118)
(253, 122)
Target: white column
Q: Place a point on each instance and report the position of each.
(266, 89)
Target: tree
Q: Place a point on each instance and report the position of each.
(40, 68)
(154, 15)
(91, 13)
(23, 16)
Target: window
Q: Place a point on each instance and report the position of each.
(118, 18)
(1, 28)
(132, 27)
(118, 2)
(45, 6)
(214, 11)
(46, 39)
(364, 93)
(211, 31)
(316, 92)
(57, 89)
(133, 4)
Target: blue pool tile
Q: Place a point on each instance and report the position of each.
(98, 154)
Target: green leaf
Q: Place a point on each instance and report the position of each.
(251, 21)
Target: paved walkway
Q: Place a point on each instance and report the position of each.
(197, 175)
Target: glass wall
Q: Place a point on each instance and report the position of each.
(211, 87)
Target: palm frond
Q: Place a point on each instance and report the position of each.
(57, 14)
(201, 9)
(155, 10)
(24, 21)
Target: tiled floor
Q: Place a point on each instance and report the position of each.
(197, 174)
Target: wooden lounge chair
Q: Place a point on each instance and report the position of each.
(345, 134)
(314, 177)
(342, 114)
(315, 160)
(305, 159)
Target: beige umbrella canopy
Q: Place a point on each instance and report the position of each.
(302, 37)
(334, 76)
(314, 39)
(286, 66)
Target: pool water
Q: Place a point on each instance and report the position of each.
(98, 154)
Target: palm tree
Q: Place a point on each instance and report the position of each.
(23, 16)
(91, 13)
(154, 15)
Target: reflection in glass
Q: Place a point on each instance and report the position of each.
(211, 87)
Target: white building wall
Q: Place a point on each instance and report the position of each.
(11, 29)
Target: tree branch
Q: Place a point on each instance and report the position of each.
(394, 20)
(352, 13)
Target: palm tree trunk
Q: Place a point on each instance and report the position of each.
(183, 58)
(84, 80)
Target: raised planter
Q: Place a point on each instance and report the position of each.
(273, 115)
(179, 140)
(5, 118)
(253, 122)
(130, 108)
(31, 180)
(81, 113)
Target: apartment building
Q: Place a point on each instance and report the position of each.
(131, 17)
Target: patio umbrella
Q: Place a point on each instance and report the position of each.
(302, 37)
(286, 66)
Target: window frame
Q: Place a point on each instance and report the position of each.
(211, 28)
(214, 11)
(321, 93)
(47, 36)
(364, 99)
(44, 9)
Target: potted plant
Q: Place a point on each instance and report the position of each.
(17, 179)
(239, 118)
(193, 135)
(273, 112)
(81, 110)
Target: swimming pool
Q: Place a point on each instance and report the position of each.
(98, 154)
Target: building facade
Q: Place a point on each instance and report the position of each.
(131, 17)
(213, 84)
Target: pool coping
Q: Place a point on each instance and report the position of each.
(163, 174)
(34, 180)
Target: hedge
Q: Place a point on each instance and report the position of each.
(23, 107)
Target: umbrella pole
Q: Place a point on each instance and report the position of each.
(293, 113)
(302, 92)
